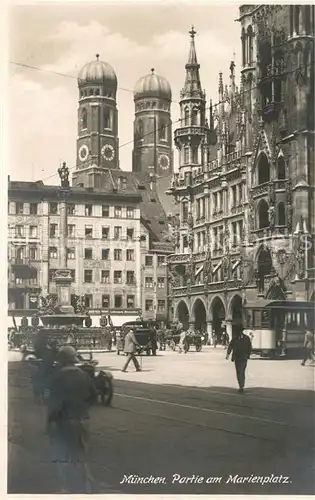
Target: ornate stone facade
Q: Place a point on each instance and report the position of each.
(249, 190)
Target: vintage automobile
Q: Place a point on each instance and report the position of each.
(145, 335)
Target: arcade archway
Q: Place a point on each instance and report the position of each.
(182, 314)
(218, 317)
(237, 315)
(199, 313)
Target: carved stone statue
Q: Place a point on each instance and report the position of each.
(289, 217)
(272, 194)
(207, 268)
(64, 175)
(271, 215)
(190, 220)
(300, 257)
(191, 240)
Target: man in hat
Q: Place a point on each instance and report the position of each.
(131, 346)
(241, 348)
(71, 391)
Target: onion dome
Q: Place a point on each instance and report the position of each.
(152, 85)
(98, 73)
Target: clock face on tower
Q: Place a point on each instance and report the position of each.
(164, 162)
(83, 152)
(108, 152)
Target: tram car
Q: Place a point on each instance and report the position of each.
(277, 328)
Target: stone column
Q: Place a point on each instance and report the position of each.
(63, 233)
(63, 278)
(209, 332)
(192, 326)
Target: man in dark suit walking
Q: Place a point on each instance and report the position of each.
(241, 348)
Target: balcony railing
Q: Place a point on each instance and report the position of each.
(261, 190)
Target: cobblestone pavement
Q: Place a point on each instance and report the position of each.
(180, 415)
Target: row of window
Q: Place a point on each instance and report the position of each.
(118, 302)
(20, 231)
(89, 233)
(90, 255)
(99, 91)
(236, 196)
(118, 278)
(90, 210)
(142, 131)
(20, 208)
(32, 253)
(108, 117)
(140, 106)
(217, 237)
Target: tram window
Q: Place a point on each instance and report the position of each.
(256, 318)
(265, 318)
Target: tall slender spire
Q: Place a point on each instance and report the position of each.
(192, 87)
(192, 59)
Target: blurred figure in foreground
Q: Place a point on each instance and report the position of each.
(70, 394)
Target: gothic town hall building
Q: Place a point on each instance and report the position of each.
(245, 187)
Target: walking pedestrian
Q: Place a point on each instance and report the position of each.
(70, 393)
(240, 347)
(182, 342)
(130, 349)
(308, 347)
(214, 339)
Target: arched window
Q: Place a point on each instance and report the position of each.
(186, 116)
(195, 155)
(250, 44)
(263, 214)
(297, 19)
(281, 167)
(91, 92)
(83, 118)
(281, 214)
(291, 19)
(20, 254)
(194, 117)
(162, 132)
(97, 92)
(243, 38)
(107, 118)
(186, 155)
(140, 130)
(263, 169)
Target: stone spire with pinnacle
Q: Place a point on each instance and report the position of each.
(192, 87)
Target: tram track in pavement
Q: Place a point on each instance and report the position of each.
(222, 416)
(216, 399)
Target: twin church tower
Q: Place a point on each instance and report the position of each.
(98, 143)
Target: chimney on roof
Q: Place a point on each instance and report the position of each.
(9, 178)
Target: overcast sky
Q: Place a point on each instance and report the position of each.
(132, 37)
